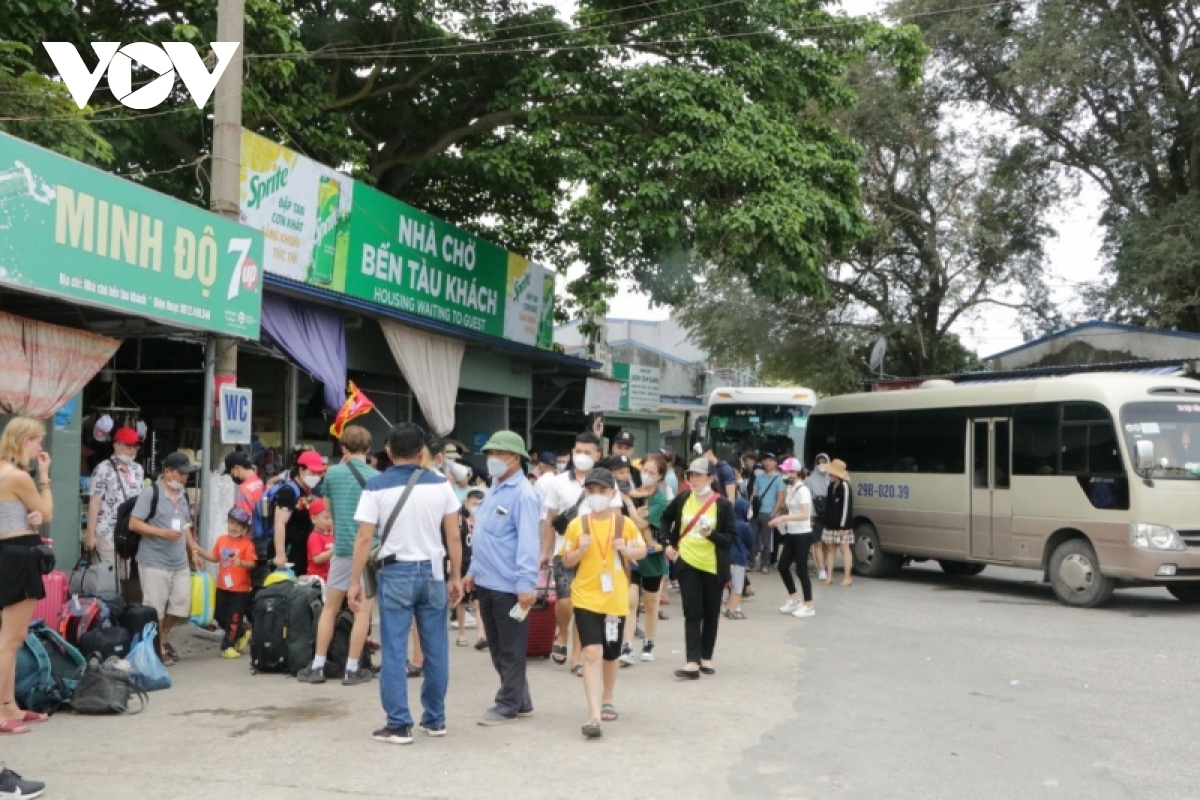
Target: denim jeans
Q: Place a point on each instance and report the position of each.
(407, 590)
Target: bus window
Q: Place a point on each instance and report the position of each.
(980, 463)
(1000, 455)
(1035, 439)
(1089, 442)
(931, 441)
(865, 441)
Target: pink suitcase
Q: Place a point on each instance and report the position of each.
(48, 608)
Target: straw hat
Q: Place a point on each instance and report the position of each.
(837, 468)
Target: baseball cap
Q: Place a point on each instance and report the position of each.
(316, 506)
(619, 462)
(178, 462)
(771, 456)
(790, 465)
(238, 458)
(102, 428)
(601, 477)
(452, 451)
(699, 466)
(125, 436)
(547, 457)
(240, 515)
(311, 460)
(624, 437)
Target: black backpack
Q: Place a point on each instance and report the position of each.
(304, 611)
(339, 647)
(268, 638)
(126, 541)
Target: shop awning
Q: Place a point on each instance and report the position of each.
(277, 284)
(43, 365)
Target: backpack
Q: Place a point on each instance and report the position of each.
(126, 541)
(339, 647)
(48, 670)
(304, 611)
(262, 521)
(78, 616)
(268, 638)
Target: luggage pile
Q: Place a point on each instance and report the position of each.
(283, 637)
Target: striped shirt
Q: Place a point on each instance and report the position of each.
(343, 492)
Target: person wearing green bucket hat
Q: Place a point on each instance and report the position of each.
(505, 549)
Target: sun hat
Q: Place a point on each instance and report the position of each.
(506, 442)
(837, 468)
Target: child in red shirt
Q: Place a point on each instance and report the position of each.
(235, 553)
(320, 541)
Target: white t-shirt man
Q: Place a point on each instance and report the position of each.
(542, 486)
(417, 532)
(798, 496)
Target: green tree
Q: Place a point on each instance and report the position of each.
(1111, 90)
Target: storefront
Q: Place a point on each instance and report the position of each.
(109, 293)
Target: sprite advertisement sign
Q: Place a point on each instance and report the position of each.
(73, 232)
(327, 230)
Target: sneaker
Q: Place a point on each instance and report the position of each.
(433, 730)
(822, 575)
(492, 718)
(243, 642)
(470, 622)
(228, 652)
(626, 658)
(638, 633)
(310, 675)
(13, 785)
(402, 735)
(415, 671)
(789, 606)
(648, 650)
(804, 611)
(525, 713)
(359, 675)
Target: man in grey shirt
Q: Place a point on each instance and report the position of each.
(164, 520)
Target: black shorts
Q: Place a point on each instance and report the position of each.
(650, 585)
(20, 576)
(589, 627)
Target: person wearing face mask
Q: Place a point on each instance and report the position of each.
(292, 522)
(240, 469)
(162, 517)
(506, 543)
(546, 470)
(701, 529)
(647, 576)
(796, 525)
(597, 545)
(818, 484)
(565, 501)
(113, 482)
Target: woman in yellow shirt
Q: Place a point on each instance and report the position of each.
(600, 590)
(701, 527)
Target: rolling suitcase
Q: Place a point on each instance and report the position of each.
(541, 620)
(49, 607)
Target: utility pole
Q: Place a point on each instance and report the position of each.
(221, 352)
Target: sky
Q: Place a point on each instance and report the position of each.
(1073, 256)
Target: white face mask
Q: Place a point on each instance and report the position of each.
(311, 480)
(175, 486)
(458, 471)
(821, 468)
(124, 459)
(496, 466)
(583, 463)
(598, 502)
(562, 466)
(649, 480)
(703, 490)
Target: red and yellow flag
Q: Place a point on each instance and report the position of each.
(356, 405)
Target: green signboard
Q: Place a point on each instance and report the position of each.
(70, 231)
(640, 386)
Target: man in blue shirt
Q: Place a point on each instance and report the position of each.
(506, 544)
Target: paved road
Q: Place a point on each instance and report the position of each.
(919, 687)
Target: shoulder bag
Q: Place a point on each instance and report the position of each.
(371, 572)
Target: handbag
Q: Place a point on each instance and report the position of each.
(43, 557)
(371, 570)
(106, 689)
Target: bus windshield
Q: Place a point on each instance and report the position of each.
(1173, 428)
(762, 427)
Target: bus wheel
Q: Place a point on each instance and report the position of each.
(961, 568)
(1185, 592)
(869, 558)
(1075, 575)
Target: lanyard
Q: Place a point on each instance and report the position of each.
(603, 551)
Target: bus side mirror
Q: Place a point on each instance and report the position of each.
(1144, 454)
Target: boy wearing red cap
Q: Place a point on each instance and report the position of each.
(320, 541)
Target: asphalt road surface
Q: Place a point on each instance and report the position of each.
(924, 686)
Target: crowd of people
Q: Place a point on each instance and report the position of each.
(418, 537)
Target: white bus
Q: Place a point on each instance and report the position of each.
(762, 419)
(1093, 479)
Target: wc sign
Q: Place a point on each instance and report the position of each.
(165, 60)
(235, 411)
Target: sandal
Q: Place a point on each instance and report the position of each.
(461, 641)
(33, 717)
(592, 729)
(739, 614)
(169, 656)
(608, 712)
(663, 615)
(577, 670)
(559, 654)
(14, 726)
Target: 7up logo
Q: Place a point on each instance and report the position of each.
(166, 60)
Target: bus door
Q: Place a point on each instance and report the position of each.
(991, 497)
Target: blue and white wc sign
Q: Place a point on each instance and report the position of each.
(235, 410)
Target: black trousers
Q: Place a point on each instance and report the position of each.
(508, 642)
(795, 552)
(700, 593)
(231, 613)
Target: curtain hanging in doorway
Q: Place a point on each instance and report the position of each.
(43, 366)
(313, 337)
(431, 366)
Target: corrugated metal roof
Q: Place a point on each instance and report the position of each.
(1164, 368)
